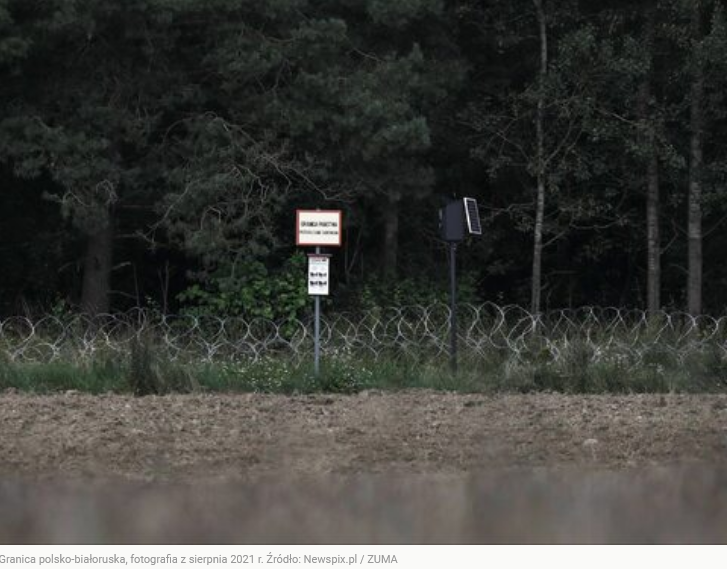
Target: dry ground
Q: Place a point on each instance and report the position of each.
(376, 467)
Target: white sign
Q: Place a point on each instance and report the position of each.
(318, 272)
(318, 228)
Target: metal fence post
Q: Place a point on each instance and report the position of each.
(453, 306)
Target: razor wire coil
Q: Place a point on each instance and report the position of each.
(419, 332)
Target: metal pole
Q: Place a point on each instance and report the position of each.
(453, 306)
(317, 331)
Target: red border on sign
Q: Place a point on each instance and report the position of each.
(297, 227)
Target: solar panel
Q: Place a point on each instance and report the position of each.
(473, 216)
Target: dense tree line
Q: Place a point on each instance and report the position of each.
(153, 152)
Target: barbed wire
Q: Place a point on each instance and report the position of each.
(417, 333)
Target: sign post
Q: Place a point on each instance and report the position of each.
(317, 332)
(317, 228)
(456, 220)
(318, 271)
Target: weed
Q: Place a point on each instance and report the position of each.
(148, 374)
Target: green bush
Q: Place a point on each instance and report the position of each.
(413, 291)
(250, 290)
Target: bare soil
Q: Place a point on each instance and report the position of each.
(410, 467)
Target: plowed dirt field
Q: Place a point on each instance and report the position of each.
(410, 467)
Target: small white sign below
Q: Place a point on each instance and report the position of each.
(318, 273)
(318, 228)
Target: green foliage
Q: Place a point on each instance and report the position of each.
(415, 291)
(14, 44)
(248, 289)
(399, 14)
(195, 128)
(100, 376)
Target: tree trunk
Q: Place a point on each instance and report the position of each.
(653, 238)
(97, 271)
(390, 244)
(536, 285)
(694, 221)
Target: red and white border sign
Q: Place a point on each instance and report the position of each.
(318, 228)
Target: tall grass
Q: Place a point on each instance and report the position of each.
(574, 367)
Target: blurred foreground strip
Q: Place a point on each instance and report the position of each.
(686, 504)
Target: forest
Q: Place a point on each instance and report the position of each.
(153, 152)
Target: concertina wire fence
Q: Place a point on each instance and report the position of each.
(415, 333)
